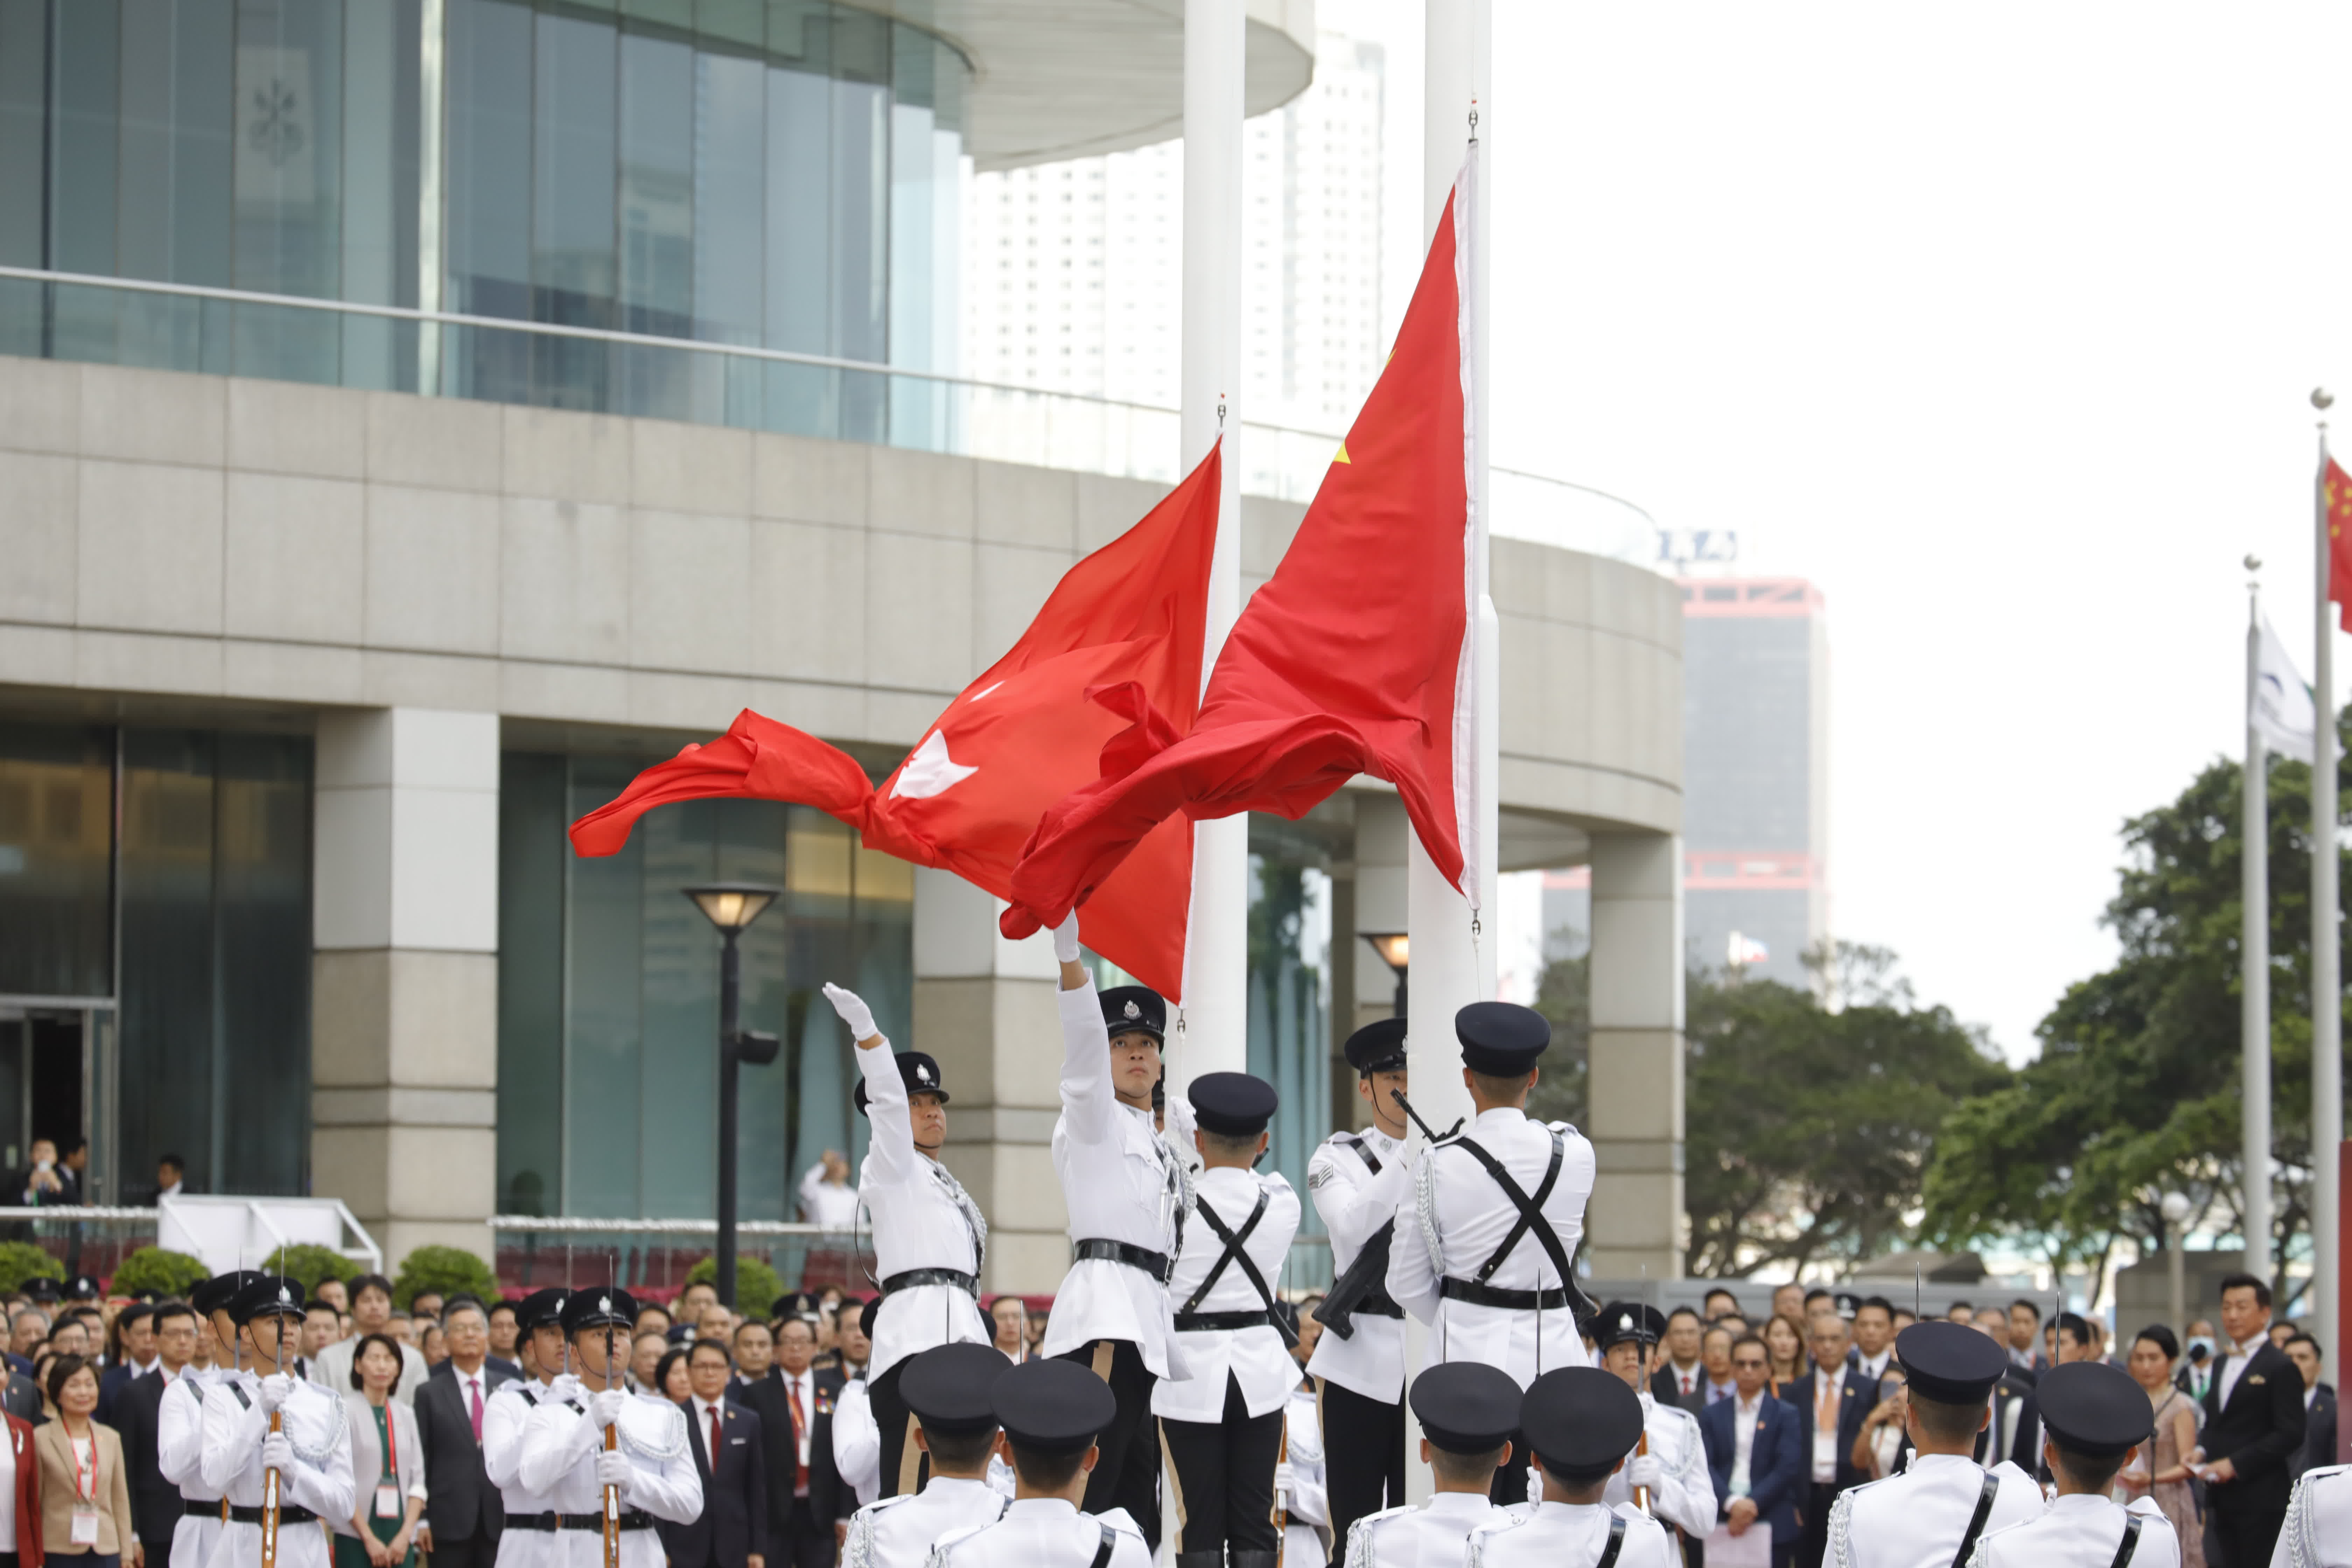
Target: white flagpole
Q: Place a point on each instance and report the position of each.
(2254, 955)
(1215, 1018)
(2326, 984)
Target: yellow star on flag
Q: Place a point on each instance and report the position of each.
(1343, 457)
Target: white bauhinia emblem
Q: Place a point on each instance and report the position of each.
(604, 1304)
(923, 1073)
(1133, 1011)
(930, 772)
(283, 1294)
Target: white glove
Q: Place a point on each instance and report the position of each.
(1644, 1470)
(274, 1389)
(1285, 1479)
(1066, 939)
(277, 1452)
(605, 1408)
(853, 1010)
(565, 1386)
(613, 1469)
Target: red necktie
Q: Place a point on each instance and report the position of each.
(474, 1396)
(714, 1439)
(800, 1423)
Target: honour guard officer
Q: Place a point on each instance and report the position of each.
(529, 1540)
(180, 1431)
(1933, 1514)
(1301, 1484)
(930, 1240)
(1483, 1249)
(947, 1388)
(1357, 1180)
(1222, 1424)
(1673, 1473)
(564, 1459)
(1581, 1424)
(1469, 1416)
(2094, 1417)
(310, 1451)
(2318, 1529)
(1052, 1413)
(1126, 1192)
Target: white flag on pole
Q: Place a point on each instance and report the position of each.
(2284, 715)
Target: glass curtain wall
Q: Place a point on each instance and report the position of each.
(608, 997)
(213, 1043)
(1290, 1003)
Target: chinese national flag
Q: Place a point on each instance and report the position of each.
(1125, 624)
(2338, 491)
(1355, 657)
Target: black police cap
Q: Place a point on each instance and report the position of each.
(1622, 1322)
(1848, 1305)
(2094, 1409)
(81, 1288)
(267, 1297)
(599, 1307)
(1951, 1362)
(1130, 1008)
(1233, 1104)
(541, 1310)
(948, 1387)
(866, 1314)
(918, 1072)
(1052, 1406)
(1376, 1048)
(1501, 1039)
(1580, 1421)
(1466, 1406)
(215, 1294)
(41, 1288)
(795, 1304)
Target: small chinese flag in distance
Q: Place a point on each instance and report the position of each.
(2339, 539)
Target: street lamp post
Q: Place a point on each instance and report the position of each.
(1394, 947)
(733, 906)
(2174, 1207)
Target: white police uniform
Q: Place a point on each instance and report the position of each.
(505, 1416)
(1919, 1517)
(1569, 1535)
(1358, 1179)
(899, 1531)
(179, 1456)
(2082, 1531)
(1046, 1532)
(236, 1423)
(1123, 1185)
(1299, 1484)
(926, 1229)
(856, 1441)
(1254, 1355)
(560, 1448)
(1448, 1231)
(2318, 1530)
(1684, 1493)
(1435, 1532)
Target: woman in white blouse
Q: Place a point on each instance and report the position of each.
(387, 1464)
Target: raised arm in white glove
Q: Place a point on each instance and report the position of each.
(1066, 939)
(853, 1012)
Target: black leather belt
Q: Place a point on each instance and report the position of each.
(195, 1510)
(1208, 1322)
(1378, 1304)
(635, 1519)
(967, 1283)
(1155, 1264)
(1479, 1295)
(287, 1514)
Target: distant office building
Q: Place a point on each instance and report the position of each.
(1755, 782)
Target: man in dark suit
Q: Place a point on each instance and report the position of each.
(463, 1515)
(1833, 1402)
(732, 1532)
(155, 1503)
(1680, 1379)
(2254, 1427)
(137, 1328)
(2318, 1404)
(1755, 1451)
(807, 1498)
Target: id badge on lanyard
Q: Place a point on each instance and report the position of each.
(85, 1511)
(387, 1490)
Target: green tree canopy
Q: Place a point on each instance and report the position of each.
(2136, 1088)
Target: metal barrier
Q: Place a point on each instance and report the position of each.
(91, 1239)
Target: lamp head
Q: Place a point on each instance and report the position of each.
(2174, 1207)
(1394, 946)
(2322, 399)
(732, 906)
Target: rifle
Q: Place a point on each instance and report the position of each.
(612, 1494)
(1398, 1095)
(272, 1488)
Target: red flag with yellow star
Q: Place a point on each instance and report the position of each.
(2339, 539)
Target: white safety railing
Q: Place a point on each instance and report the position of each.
(188, 326)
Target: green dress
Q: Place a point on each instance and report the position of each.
(348, 1552)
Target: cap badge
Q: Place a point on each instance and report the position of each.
(1133, 1011)
(283, 1295)
(923, 1073)
(604, 1304)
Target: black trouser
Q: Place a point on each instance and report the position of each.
(2247, 1536)
(1816, 1543)
(1127, 1475)
(1364, 1457)
(1510, 1484)
(890, 1418)
(1224, 1476)
(805, 1540)
(479, 1550)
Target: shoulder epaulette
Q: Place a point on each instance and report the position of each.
(1476, 1550)
(1360, 1533)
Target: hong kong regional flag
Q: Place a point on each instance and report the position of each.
(1355, 657)
(2339, 539)
(1125, 624)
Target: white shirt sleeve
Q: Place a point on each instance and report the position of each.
(1089, 1104)
(809, 1185)
(1686, 1494)
(1413, 1280)
(891, 1144)
(856, 1440)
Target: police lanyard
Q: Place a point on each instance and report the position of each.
(391, 1444)
(75, 1445)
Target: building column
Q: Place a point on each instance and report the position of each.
(404, 975)
(984, 1010)
(1378, 907)
(1635, 1223)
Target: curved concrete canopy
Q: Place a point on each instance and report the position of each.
(1065, 79)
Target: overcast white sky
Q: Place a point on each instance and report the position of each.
(1997, 323)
